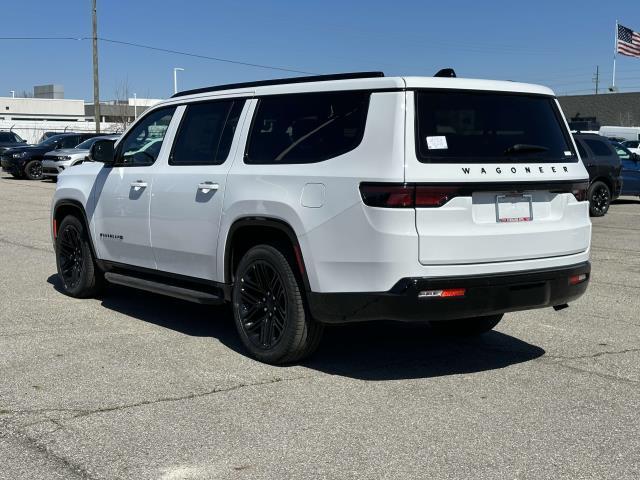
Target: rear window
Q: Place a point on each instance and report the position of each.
(307, 128)
(489, 127)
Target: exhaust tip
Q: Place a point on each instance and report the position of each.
(560, 307)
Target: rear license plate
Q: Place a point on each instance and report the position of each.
(513, 208)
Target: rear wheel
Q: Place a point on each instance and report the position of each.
(33, 170)
(269, 309)
(77, 270)
(466, 327)
(599, 198)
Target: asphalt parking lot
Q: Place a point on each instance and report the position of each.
(134, 385)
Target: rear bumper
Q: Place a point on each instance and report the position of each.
(484, 295)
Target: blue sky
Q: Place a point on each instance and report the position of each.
(555, 43)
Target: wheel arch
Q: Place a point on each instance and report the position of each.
(243, 234)
(67, 207)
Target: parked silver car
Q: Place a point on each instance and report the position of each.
(56, 161)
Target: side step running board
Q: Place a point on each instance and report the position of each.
(195, 296)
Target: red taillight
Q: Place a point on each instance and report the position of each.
(576, 279)
(55, 229)
(434, 196)
(445, 292)
(406, 195)
(387, 195)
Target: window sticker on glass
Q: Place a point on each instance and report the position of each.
(567, 153)
(437, 143)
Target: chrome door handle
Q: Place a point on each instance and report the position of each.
(206, 187)
(138, 184)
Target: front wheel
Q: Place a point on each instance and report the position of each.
(269, 309)
(599, 199)
(33, 170)
(466, 327)
(76, 266)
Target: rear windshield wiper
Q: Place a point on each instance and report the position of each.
(524, 148)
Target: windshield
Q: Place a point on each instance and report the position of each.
(86, 145)
(490, 127)
(51, 141)
(9, 137)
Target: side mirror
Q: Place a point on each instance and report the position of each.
(23, 141)
(103, 151)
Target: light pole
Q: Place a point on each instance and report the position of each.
(135, 105)
(175, 78)
(96, 88)
(13, 93)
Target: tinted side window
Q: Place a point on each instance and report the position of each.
(599, 149)
(206, 133)
(581, 149)
(69, 142)
(141, 146)
(307, 128)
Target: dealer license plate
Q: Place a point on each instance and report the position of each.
(513, 207)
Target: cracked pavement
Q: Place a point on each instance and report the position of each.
(138, 386)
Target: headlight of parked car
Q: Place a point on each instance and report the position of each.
(19, 155)
(64, 157)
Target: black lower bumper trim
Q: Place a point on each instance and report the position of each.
(484, 295)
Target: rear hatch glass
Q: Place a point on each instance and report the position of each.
(489, 127)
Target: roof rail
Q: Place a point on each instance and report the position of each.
(282, 81)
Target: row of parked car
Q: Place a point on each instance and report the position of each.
(613, 166)
(47, 159)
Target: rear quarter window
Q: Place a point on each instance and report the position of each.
(306, 128)
(599, 148)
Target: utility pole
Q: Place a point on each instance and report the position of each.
(596, 78)
(96, 83)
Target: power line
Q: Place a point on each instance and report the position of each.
(167, 50)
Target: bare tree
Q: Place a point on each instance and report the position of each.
(122, 111)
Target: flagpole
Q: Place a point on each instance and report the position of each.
(615, 51)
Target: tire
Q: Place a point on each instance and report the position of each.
(599, 199)
(269, 309)
(33, 170)
(466, 327)
(77, 270)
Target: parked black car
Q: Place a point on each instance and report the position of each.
(9, 140)
(604, 167)
(26, 161)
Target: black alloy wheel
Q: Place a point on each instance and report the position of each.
(33, 170)
(269, 308)
(599, 199)
(71, 256)
(263, 304)
(80, 276)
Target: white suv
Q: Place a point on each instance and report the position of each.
(336, 199)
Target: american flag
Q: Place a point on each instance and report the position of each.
(628, 42)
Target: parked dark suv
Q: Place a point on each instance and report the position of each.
(9, 140)
(604, 167)
(26, 161)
